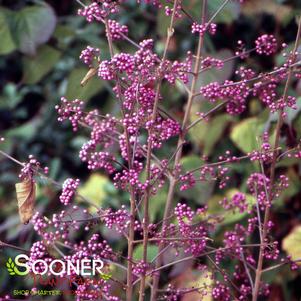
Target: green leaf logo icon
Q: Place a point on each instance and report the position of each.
(10, 266)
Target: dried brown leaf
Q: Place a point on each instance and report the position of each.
(26, 193)
(88, 76)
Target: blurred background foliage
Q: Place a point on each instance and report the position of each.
(40, 42)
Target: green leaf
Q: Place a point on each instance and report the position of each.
(207, 134)
(36, 67)
(244, 134)
(11, 96)
(203, 279)
(229, 217)
(197, 133)
(7, 43)
(162, 23)
(229, 13)
(215, 129)
(75, 90)
(217, 75)
(64, 35)
(157, 203)
(293, 188)
(286, 162)
(25, 131)
(192, 6)
(95, 189)
(33, 26)
(232, 217)
(291, 243)
(191, 162)
(152, 251)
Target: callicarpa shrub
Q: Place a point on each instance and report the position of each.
(126, 144)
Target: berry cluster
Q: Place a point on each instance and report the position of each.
(99, 10)
(72, 110)
(202, 28)
(117, 31)
(88, 55)
(69, 189)
(266, 44)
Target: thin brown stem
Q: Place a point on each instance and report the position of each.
(6, 245)
(279, 265)
(228, 161)
(129, 290)
(206, 115)
(217, 12)
(172, 183)
(229, 59)
(259, 77)
(202, 255)
(225, 275)
(280, 121)
(170, 32)
(172, 239)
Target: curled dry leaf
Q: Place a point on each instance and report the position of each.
(26, 193)
(88, 76)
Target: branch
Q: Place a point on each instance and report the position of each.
(170, 32)
(273, 169)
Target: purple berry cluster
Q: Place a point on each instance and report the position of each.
(69, 189)
(266, 44)
(117, 31)
(88, 55)
(98, 10)
(31, 168)
(202, 28)
(71, 110)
